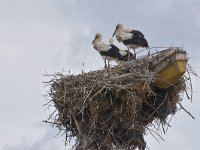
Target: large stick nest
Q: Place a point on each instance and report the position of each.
(112, 108)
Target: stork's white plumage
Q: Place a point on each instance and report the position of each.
(109, 51)
(130, 38)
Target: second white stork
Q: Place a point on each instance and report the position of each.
(109, 51)
(130, 38)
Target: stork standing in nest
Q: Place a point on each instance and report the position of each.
(130, 38)
(109, 51)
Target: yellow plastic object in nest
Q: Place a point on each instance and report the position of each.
(170, 65)
(171, 74)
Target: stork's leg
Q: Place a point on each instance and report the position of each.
(105, 63)
(149, 52)
(134, 53)
(128, 54)
(108, 63)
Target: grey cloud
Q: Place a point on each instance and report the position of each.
(39, 35)
(48, 141)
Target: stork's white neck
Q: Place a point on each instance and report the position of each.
(117, 34)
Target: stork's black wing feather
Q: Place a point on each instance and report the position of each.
(113, 52)
(137, 33)
(137, 40)
(114, 47)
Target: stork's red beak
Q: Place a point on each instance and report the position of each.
(93, 41)
(114, 33)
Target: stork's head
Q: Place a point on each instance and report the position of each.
(118, 27)
(97, 36)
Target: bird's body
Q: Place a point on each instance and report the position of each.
(135, 42)
(109, 51)
(130, 38)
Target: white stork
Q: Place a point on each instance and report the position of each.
(109, 51)
(130, 38)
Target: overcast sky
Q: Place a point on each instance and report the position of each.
(51, 35)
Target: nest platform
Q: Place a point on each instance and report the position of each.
(112, 108)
